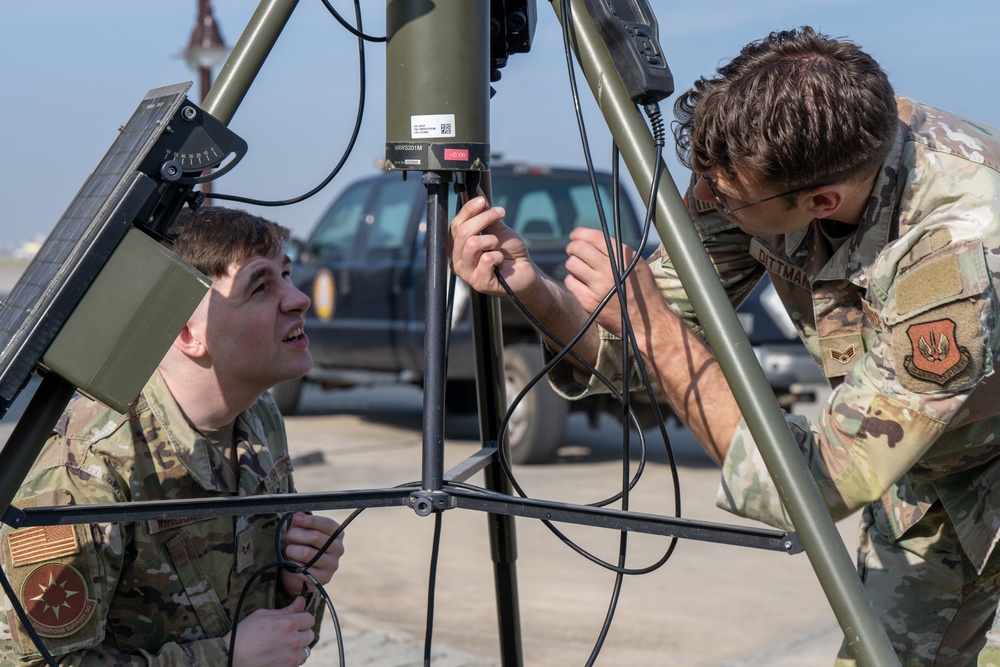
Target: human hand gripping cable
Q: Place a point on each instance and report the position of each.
(681, 363)
(275, 637)
(480, 242)
(306, 536)
(481, 246)
(590, 279)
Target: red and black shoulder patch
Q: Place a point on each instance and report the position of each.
(55, 597)
(935, 353)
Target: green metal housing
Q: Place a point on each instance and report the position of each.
(126, 321)
(438, 73)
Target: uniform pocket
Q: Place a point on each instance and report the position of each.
(167, 599)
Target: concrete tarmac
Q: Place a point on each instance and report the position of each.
(708, 605)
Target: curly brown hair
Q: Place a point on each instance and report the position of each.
(798, 108)
(213, 237)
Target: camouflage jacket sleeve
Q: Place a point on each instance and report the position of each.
(729, 251)
(898, 431)
(66, 577)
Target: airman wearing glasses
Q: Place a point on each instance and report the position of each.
(877, 219)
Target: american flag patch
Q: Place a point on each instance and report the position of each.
(32, 545)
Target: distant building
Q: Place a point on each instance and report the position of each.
(28, 249)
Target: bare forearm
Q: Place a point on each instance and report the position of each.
(694, 384)
(563, 317)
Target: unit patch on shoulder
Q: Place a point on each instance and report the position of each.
(55, 599)
(941, 350)
(936, 355)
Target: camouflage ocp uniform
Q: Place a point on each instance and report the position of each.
(902, 315)
(159, 592)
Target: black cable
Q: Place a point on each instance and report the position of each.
(353, 515)
(431, 587)
(362, 73)
(291, 567)
(350, 28)
(297, 569)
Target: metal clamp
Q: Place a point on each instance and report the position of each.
(425, 502)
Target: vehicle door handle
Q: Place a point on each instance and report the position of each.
(397, 281)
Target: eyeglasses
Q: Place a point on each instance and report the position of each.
(730, 211)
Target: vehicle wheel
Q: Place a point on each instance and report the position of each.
(535, 430)
(286, 396)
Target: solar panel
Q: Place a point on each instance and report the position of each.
(81, 242)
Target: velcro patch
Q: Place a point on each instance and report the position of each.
(840, 353)
(779, 267)
(930, 283)
(703, 206)
(55, 599)
(937, 357)
(38, 543)
(160, 525)
(941, 349)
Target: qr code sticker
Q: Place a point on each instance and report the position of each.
(446, 129)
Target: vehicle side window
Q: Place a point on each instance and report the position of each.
(335, 232)
(391, 215)
(586, 210)
(537, 217)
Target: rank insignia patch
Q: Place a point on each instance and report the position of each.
(55, 599)
(843, 356)
(936, 355)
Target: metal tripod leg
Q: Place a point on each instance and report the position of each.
(492, 404)
(29, 435)
(491, 388)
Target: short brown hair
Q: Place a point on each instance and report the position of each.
(797, 107)
(213, 237)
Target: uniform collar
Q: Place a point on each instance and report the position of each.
(877, 226)
(203, 461)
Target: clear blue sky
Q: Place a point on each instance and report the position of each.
(74, 71)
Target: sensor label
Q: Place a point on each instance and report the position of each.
(432, 126)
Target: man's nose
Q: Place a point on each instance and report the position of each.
(295, 299)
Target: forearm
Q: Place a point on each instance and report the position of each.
(563, 317)
(693, 382)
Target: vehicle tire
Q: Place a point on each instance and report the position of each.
(286, 396)
(535, 430)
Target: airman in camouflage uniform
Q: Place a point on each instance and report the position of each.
(165, 592)
(899, 307)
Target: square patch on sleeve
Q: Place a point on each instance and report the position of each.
(939, 350)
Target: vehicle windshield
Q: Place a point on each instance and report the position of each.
(544, 209)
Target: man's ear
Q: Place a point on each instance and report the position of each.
(188, 342)
(826, 200)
